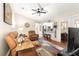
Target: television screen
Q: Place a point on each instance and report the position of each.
(73, 39)
(76, 40)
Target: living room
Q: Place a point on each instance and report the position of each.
(43, 27)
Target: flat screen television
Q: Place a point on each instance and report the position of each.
(73, 39)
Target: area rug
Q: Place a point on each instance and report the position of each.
(47, 48)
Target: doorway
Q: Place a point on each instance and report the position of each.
(64, 31)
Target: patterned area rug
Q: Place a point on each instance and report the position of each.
(48, 49)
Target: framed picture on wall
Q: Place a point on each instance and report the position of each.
(7, 13)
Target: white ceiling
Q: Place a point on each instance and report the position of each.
(54, 10)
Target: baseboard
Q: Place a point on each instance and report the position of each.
(8, 53)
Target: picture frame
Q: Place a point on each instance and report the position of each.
(7, 13)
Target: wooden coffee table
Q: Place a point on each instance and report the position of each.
(26, 49)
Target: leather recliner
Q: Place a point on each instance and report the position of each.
(33, 36)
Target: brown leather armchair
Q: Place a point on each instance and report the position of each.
(33, 36)
(10, 40)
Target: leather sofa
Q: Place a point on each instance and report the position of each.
(11, 41)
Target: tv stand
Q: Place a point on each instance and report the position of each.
(64, 52)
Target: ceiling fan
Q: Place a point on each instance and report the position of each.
(39, 10)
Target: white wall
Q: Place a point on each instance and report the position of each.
(38, 29)
(20, 20)
(58, 32)
(4, 29)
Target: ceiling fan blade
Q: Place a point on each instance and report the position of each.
(43, 12)
(34, 10)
